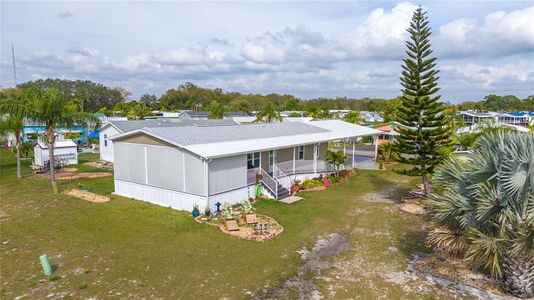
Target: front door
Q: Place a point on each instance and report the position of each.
(272, 159)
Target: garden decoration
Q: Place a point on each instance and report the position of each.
(258, 190)
(195, 211)
(218, 204)
(227, 211)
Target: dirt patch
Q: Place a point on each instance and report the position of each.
(454, 273)
(87, 196)
(412, 208)
(316, 261)
(71, 173)
(386, 195)
(100, 165)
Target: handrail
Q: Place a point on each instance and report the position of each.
(281, 177)
(266, 175)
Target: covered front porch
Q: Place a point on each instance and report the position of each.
(279, 167)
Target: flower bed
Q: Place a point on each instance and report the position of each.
(263, 230)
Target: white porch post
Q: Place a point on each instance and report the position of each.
(375, 138)
(345, 154)
(315, 159)
(293, 160)
(353, 153)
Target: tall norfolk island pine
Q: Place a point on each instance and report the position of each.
(424, 133)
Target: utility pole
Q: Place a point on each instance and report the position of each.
(14, 67)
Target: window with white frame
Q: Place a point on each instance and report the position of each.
(300, 152)
(253, 160)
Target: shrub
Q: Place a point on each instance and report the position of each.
(311, 183)
(195, 207)
(247, 206)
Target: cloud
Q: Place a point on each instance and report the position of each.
(81, 51)
(500, 34)
(491, 54)
(64, 15)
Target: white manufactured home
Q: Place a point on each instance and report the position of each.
(179, 167)
(113, 128)
(65, 152)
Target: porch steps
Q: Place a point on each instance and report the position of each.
(282, 192)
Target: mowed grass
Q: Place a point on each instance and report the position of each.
(127, 248)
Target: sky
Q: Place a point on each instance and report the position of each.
(308, 49)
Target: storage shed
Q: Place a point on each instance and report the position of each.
(64, 151)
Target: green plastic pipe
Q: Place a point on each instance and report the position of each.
(47, 268)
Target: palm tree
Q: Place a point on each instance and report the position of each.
(335, 158)
(467, 140)
(217, 110)
(243, 107)
(353, 117)
(48, 107)
(269, 113)
(13, 124)
(485, 211)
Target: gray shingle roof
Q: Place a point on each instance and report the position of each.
(199, 135)
(126, 126)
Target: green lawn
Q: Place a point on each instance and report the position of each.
(127, 248)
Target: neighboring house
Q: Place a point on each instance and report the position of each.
(371, 116)
(194, 115)
(179, 167)
(339, 113)
(114, 128)
(516, 118)
(388, 132)
(65, 152)
(78, 134)
(471, 117)
(476, 128)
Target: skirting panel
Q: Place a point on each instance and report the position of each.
(159, 196)
(233, 197)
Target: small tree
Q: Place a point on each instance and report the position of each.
(48, 107)
(424, 135)
(13, 123)
(335, 158)
(485, 211)
(269, 113)
(353, 117)
(217, 110)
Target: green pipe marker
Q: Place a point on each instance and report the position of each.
(47, 268)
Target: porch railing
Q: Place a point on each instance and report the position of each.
(282, 178)
(269, 182)
(306, 166)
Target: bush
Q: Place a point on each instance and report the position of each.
(311, 183)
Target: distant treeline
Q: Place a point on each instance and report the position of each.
(95, 96)
(499, 103)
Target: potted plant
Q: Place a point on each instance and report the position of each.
(195, 211)
(258, 177)
(227, 211)
(207, 211)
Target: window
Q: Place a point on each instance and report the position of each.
(253, 160)
(300, 152)
(105, 140)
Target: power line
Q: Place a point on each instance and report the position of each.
(14, 67)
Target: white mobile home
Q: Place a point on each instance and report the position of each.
(182, 166)
(114, 128)
(65, 152)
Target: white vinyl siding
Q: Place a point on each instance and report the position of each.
(227, 173)
(106, 148)
(194, 174)
(165, 167)
(130, 162)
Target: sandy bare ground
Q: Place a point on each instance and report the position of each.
(87, 196)
(69, 175)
